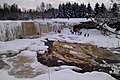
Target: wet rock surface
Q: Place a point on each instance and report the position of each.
(86, 56)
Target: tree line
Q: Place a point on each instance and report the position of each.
(75, 10)
(13, 12)
(65, 10)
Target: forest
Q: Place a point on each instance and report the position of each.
(65, 10)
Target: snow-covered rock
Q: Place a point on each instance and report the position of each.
(38, 48)
(18, 45)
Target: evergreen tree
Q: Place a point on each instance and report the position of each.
(103, 9)
(14, 12)
(76, 10)
(68, 10)
(115, 9)
(83, 10)
(6, 11)
(60, 13)
(97, 9)
(80, 11)
(1, 13)
(89, 10)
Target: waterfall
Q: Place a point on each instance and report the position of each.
(10, 30)
(28, 29)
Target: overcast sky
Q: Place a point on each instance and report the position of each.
(33, 3)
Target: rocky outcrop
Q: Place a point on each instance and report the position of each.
(86, 56)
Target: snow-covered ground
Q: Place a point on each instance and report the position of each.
(95, 37)
(30, 47)
(34, 45)
(60, 20)
(20, 44)
(65, 74)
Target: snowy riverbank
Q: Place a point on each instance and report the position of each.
(28, 48)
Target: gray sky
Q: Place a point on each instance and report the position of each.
(33, 3)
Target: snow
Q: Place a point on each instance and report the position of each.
(73, 52)
(95, 37)
(28, 53)
(16, 65)
(109, 28)
(63, 20)
(65, 74)
(37, 66)
(38, 48)
(69, 67)
(70, 75)
(17, 45)
(15, 21)
(66, 46)
(30, 47)
(14, 46)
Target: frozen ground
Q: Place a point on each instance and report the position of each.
(60, 20)
(65, 74)
(30, 47)
(26, 46)
(95, 37)
(20, 44)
